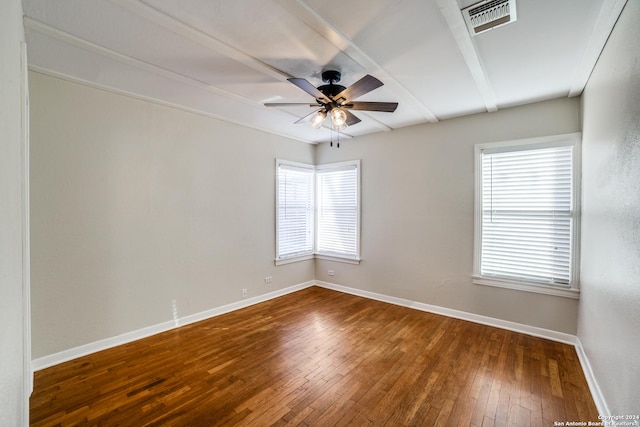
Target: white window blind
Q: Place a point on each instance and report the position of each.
(527, 210)
(338, 210)
(295, 210)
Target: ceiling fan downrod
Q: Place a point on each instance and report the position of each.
(331, 76)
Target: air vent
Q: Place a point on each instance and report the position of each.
(489, 14)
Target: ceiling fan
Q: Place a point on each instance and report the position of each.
(336, 100)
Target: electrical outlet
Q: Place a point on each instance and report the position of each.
(268, 279)
(244, 293)
(331, 272)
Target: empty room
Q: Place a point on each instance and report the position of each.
(315, 213)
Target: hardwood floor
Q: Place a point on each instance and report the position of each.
(320, 358)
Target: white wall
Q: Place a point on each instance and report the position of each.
(142, 213)
(13, 387)
(417, 213)
(609, 318)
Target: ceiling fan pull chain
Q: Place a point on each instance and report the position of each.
(331, 135)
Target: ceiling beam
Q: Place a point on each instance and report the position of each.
(342, 42)
(189, 32)
(607, 18)
(451, 12)
(209, 42)
(81, 43)
(72, 40)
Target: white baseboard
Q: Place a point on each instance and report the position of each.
(596, 393)
(463, 315)
(83, 350)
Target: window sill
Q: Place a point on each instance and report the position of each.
(291, 260)
(527, 287)
(338, 259)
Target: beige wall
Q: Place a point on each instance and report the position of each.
(609, 321)
(417, 214)
(14, 385)
(142, 213)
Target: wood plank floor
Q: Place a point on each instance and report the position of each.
(320, 358)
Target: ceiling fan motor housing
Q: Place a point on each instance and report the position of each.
(331, 89)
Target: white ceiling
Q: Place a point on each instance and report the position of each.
(224, 58)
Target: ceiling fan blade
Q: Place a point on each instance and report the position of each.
(387, 107)
(289, 104)
(351, 119)
(309, 88)
(359, 88)
(302, 119)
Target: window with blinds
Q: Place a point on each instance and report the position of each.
(317, 211)
(338, 210)
(295, 210)
(527, 218)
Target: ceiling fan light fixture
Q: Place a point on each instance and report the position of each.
(338, 117)
(318, 118)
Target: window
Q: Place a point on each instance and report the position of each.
(295, 210)
(317, 212)
(338, 211)
(526, 215)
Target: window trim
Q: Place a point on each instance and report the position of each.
(569, 139)
(314, 254)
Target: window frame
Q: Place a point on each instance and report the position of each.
(314, 254)
(570, 139)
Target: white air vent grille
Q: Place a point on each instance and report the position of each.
(489, 14)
